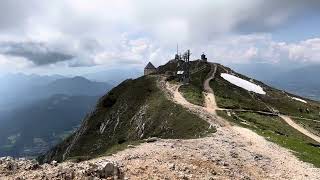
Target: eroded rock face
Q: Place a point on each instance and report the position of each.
(23, 169)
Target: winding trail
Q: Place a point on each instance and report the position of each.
(276, 162)
(210, 99)
(211, 106)
(296, 126)
(206, 113)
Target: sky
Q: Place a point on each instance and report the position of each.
(81, 36)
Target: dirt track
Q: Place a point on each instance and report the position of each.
(211, 106)
(296, 126)
(281, 163)
(278, 162)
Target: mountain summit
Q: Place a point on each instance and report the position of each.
(220, 125)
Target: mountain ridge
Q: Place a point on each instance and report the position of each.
(262, 104)
(246, 145)
(139, 119)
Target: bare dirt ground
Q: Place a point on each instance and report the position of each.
(210, 100)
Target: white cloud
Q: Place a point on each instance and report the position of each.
(9, 63)
(262, 48)
(100, 32)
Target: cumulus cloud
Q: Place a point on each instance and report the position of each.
(307, 51)
(262, 48)
(82, 33)
(207, 19)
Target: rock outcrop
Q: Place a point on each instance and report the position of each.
(22, 169)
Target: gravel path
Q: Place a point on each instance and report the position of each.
(211, 106)
(278, 162)
(296, 126)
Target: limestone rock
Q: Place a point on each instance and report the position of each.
(152, 139)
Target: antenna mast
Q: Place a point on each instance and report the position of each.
(177, 48)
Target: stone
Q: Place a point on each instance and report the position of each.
(225, 164)
(54, 163)
(152, 139)
(172, 166)
(234, 154)
(258, 157)
(33, 166)
(109, 170)
(11, 166)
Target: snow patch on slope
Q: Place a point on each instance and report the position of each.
(298, 99)
(249, 86)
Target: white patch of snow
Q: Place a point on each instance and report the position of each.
(298, 99)
(249, 86)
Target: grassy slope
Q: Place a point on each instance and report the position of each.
(271, 127)
(233, 97)
(161, 118)
(192, 94)
(276, 130)
(193, 91)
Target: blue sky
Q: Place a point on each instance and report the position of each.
(79, 36)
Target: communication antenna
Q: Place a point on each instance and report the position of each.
(177, 48)
(186, 67)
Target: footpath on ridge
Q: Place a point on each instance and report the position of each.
(211, 105)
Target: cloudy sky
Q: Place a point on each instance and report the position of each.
(80, 36)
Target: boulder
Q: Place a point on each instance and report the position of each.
(11, 166)
(54, 163)
(109, 170)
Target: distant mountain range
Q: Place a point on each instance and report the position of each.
(37, 112)
(114, 76)
(75, 86)
(31, 130)
(20, 89)
(303, 81)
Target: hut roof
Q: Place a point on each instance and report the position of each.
(150, 66)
